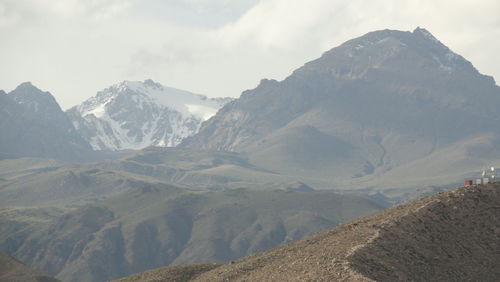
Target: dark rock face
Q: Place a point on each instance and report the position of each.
(33, 125)
(382, 100)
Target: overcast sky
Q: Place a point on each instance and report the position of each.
(74, 48)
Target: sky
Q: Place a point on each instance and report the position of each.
(75, 48)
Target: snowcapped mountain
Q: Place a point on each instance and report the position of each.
(134, 115)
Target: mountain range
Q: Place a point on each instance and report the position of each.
(126, 116)
(142, 175)
(356, 118)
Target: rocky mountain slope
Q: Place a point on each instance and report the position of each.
(134, 115)
(387, 109)
(12, 270)
(33, 125)
(451, 236)
(153, 225)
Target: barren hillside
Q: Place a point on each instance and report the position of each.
(450, 236)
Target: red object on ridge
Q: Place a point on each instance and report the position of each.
(468, 183)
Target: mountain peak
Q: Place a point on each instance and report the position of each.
(135, 85)
(35, 99)
(424, 32)
(26, 85)
(138, 114)
(152, 83)
(385, 50)
(35, 126)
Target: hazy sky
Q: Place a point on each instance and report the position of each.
(74, 48)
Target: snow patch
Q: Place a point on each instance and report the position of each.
(181, 101)
(204, 112)
(98, 111)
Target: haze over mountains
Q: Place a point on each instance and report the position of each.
(142, 175)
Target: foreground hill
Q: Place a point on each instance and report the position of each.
(451, 236)
(12, 270)
(365, 114)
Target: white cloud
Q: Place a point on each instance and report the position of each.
(278, 23)
(94, 9)
(74, 48)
